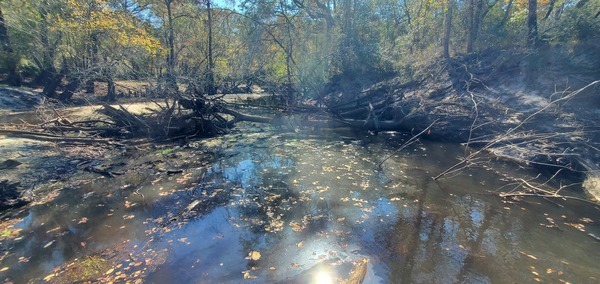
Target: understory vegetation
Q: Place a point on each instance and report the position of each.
(299, 49)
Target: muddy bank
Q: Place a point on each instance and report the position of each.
(536, 109)
(33, 170)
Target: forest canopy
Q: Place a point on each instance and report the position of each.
(293, 47)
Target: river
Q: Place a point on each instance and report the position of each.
(281, 206)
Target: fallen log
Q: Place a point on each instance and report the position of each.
(55, 138)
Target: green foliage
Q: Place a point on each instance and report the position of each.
(276, 42)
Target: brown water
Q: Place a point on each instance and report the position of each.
(311, 204)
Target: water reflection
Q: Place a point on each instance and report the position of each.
(311, 208)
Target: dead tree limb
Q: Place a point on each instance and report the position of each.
(54, 138)
(505, 136)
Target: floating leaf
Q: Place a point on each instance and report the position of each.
(53, 230)
(4, 269)
(579, 227)
(296, 227)
(254, 255)
(528, 255)
(247, 275)
(83, 220)
(49, 243)
(300, 244)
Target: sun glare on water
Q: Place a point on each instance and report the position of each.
(323, 277)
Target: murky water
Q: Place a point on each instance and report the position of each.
(310, 204)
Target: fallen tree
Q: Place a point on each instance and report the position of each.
(478, 101)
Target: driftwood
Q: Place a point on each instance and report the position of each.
(55, 138)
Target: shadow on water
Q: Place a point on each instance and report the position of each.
(310, 204)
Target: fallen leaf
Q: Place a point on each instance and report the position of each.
(4, 269)
(53, 230)
(248, 276)
(528, 255)
(254, 255)
(300, 244)
(49, 243)
(83, 220)
(109, 271)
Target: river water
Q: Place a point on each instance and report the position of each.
(303, 207)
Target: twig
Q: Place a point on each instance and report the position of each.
(512, 130)
(407, 143)
(504, 195)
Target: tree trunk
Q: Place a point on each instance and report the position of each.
(93, 53)
(111, 94)
(289, 88)
(347, 37)
(448, 30)
(532, 27)
(54, 80)
(171, 81)
(4, 39)
(470, 24)
(550, 8)
(211, 89)
(46, 63)
(477, 21)
(506, 14)
(11, 60)
(70, 89)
